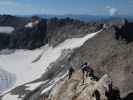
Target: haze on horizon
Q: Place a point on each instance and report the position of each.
(60, 7)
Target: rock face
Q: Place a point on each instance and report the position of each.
(14, 21)
(34, 32)
(4, 40)
(74, 89)
(30, 37)
(125, 32)
(23, 37)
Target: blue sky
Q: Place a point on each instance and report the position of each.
(59, 7)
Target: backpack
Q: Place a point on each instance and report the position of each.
(83, 66)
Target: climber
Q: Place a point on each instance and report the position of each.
(70, 72)
(86, 69)
(69, 68)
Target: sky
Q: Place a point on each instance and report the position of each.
(61, 7)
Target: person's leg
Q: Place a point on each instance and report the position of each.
(70, 75)
(91, 73)
(83, 75)
(87, 73)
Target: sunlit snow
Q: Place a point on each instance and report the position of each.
(11, 97)
(6, 29)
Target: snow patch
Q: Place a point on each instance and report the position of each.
(76, 42)
(48, 89)
(53, 82)
(11, 97)
(6, 29)
(31, 24)
(6, 80)
(33, 86)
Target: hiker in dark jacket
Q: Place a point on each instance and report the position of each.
(70, 72)
(86, 69)
(69, 68)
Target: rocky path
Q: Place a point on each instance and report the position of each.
(74, 89)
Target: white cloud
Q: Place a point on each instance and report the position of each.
(112, 11)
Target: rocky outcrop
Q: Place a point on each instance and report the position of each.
(74, 89)
(29, 37)
(23, 37)
(125, 31)
(4, 40)
(14, 21)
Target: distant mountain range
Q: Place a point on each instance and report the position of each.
(89, 17)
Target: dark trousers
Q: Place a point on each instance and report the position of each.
(69, 75)
(88, 71)
(71, 70)
(83, 74)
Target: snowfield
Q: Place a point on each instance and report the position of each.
(6, 80)
(27, 66)
(6, 29)
(53, 83)
(11, 97)
(34, 85)
(32, 24)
